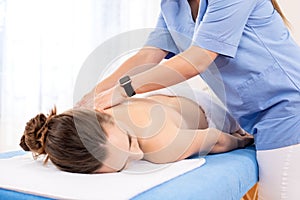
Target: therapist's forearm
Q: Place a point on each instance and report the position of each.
(177, 69)
(141, 61)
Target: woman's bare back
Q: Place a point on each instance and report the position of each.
(156, 121)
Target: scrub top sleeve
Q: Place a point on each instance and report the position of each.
(222, 25)
(161, 38)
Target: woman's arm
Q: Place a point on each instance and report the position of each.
(177, 144)
(212, 140)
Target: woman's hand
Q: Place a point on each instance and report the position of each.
(244, 139)
(241, 131)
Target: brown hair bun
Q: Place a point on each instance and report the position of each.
(36, 132)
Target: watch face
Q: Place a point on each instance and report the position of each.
(124, 79)
(125, 82)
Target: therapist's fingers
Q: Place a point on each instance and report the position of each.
(87, 101)
(102, 101)
(108, 98)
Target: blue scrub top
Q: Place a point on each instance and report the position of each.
(257, 72)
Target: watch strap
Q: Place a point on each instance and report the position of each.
(125, 82)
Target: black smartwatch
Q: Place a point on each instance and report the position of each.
(125, 82)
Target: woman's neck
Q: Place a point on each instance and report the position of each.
(194, 4)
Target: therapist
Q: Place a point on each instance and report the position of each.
(259, 64)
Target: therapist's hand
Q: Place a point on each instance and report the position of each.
(109, 98)
(87, 101)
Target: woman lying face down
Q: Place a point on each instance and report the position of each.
(76, 141)
(159, 129)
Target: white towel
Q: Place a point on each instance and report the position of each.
(23, 174)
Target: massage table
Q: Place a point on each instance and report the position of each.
(225, 176)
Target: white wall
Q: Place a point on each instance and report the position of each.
(44, 46)
(291, 11)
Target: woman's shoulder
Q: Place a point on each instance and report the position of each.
(145, 116)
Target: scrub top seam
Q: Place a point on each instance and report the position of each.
(274, 58)
(205, 35)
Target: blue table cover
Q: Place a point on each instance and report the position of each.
(226, 176)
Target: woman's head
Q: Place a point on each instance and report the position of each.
(78, 140)
(73, 141)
